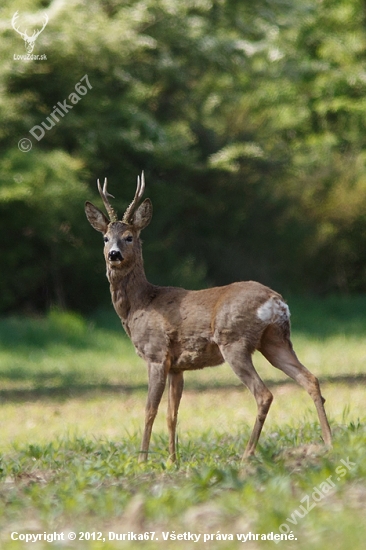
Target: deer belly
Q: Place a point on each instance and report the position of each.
(196, 355)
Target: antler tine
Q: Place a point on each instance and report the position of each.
(142, 188)
(104, 194)
(13, 22)
(139, 192)
(45, 16)
(15, 17)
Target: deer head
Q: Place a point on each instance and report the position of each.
(29, 40)
(122, 245)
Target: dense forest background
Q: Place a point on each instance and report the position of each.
(247, 117)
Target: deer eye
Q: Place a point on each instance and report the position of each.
(129, 239)
(106, 239)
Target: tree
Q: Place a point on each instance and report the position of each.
(247, 118)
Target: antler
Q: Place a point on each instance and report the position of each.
(29, 40)
(22, 34)
(104, 194)
(139, 192)
(35, 34)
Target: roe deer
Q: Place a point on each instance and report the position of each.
(175, 330)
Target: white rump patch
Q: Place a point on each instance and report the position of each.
(274, 310)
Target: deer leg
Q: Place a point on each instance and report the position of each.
(240, 361)
(157, 379)
(279, 352)
(176, 383)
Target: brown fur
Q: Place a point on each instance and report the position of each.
(175, 330)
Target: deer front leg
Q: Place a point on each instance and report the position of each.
(157, 378)
(176, 384)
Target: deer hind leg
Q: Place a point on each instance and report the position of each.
(176, 384)
(240, 361)
(157, 379)
(277, 349)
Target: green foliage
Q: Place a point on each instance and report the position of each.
(247, 118)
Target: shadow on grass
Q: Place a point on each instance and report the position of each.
(68, 390)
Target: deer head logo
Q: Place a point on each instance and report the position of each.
(29, 40)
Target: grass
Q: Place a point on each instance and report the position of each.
(72, 394)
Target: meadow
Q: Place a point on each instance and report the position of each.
(72, 396)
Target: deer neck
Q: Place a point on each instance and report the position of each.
(129, 291)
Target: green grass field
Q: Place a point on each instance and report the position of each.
(72, 395)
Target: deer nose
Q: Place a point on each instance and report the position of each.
(115, 256)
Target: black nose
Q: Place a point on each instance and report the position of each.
(115, 256)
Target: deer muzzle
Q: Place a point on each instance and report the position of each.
(115, 256)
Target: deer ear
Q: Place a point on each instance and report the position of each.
(96, 218)
(143, 215)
